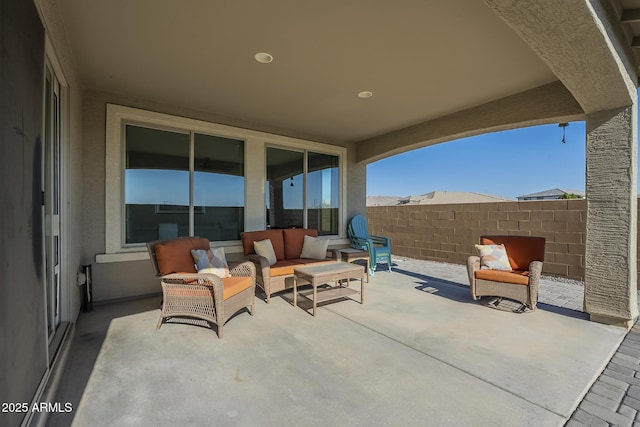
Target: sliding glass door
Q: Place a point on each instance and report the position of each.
(52, 203)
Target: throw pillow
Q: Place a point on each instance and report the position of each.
(265, 248)
(493, 257)
(314, 248)
(211, 261)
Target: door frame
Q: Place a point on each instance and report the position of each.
(53, 345)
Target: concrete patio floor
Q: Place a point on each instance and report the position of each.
(419, 351)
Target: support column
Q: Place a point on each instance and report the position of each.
(610, 292)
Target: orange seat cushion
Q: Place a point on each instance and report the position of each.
(283, 268)
(309, 261)
(294, 240)
(277, 241)
(515, 276)
(174, 256)
(232, 286)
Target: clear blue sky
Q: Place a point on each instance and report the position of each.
(508, 164)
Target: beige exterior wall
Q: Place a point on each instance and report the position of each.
(129, 275)
(447, 233)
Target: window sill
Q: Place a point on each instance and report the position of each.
(143, 255)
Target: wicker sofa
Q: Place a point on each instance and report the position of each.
(287, 245)
(526, 255)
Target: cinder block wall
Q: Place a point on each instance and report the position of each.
(447, 233)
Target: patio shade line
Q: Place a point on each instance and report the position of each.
(451, 365)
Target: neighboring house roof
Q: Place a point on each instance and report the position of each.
(435, 198)
(554, 192)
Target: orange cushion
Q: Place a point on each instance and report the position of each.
(283, 268)
(514, 276)
(277, 241)
(174, 256)
(309, 261)
(521, 250)
(294, 240)
(232, 285)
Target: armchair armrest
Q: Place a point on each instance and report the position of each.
(263, 269)
(195, 279)
(259, 261)
(362, 243)
(380, 240)
(535, 271)
(243, 269)
(473, 264)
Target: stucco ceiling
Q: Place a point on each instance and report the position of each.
(421, 59)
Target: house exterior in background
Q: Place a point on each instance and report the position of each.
(435, 198)
(126, 121)
(552, 194)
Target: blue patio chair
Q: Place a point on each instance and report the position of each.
(379, 247)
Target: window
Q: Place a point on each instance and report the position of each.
(169, 176)
(323, 193)
(165, 196)
(218, 187)
(303, 190)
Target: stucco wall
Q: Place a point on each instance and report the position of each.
(447, 233)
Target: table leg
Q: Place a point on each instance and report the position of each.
(295, 291)
(315, 295)
(368, 276)
(362, 289)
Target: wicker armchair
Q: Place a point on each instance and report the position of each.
(185, 293)
(526, 255)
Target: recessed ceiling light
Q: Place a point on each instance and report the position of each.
(263, 57)
(365, 94)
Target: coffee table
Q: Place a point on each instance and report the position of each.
(336, 272)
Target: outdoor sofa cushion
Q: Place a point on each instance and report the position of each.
(287, 243)
(265, 248)
(294, 241)
(521, 250)
(174, 256)
(285, 268)
(277, 241)
(314, 248)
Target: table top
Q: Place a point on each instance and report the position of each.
(338, 267)
(353, 251)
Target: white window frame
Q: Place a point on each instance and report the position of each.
(305, 164)
(255, 173)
